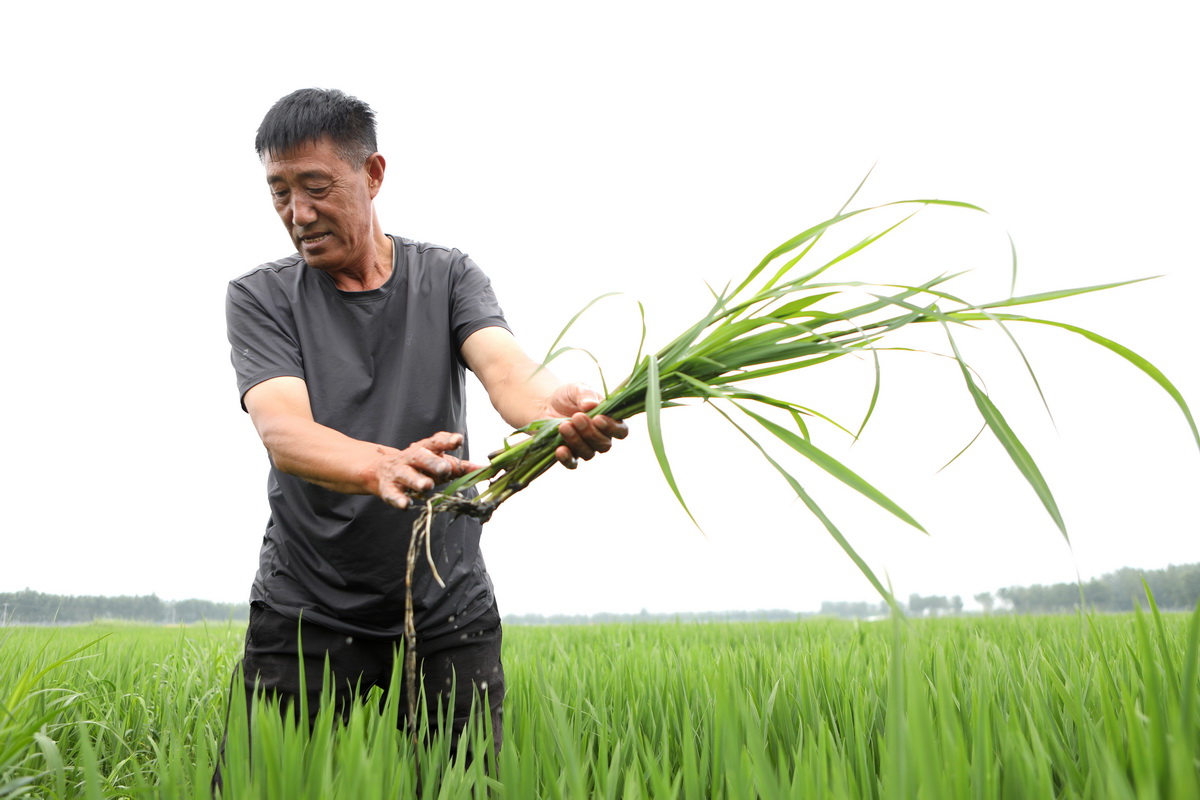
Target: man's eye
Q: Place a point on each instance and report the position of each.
(316, 189)
(279, 193)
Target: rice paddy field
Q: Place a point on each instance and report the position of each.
(1085, 706)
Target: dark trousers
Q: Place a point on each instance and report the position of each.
(465, 662)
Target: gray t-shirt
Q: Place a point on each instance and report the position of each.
(383, 366)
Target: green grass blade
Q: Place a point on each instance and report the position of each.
(862, 245)
(974, 439)
(1124, 352)
(1191, 660)
(817, 230)
(599, 368)
(837, 535)
(834, 467)
(1042, 297)
(672, 352)
(1028, 368)
(1011, 443)
(796, 411)
(1012, 246)
(654, 428)
(642, 340)
(857, 189)
(792, 244)
(779, 369)
(573, 320)
(878, 382)
(870, 240)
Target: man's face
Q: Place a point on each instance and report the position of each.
(325, 204)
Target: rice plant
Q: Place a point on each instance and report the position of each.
(785, 315)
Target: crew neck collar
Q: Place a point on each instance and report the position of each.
(370, 294)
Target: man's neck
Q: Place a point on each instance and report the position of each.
(374, 275)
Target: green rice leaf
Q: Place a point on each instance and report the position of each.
(642, 339)
(874, 393)
(1011, 443)
(1042, 297)
(573, 320)
(935, 202)
(797, 412)
(654, 428)
(599, 368)
(804, 496)
(701, 388)
(967, 447)
(1012, 246)
(819, 229)
(870, 240)
(1191, 660)
(857, 189)
(1124, 352)
(834, 467)
(793, 243)
(778, 369)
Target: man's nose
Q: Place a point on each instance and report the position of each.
(301, 210)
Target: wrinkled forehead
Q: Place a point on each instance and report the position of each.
(319, 157)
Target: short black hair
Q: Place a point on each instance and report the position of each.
(306, 115)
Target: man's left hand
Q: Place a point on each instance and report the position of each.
(584, 436)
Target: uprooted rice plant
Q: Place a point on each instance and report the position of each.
(788, 314)
(783, 316)
(1084, 706)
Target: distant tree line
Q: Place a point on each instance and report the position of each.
(1176, 588)
(854, 610)
(934, 605)
(761, 615)
(34, 608)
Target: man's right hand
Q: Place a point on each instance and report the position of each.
(419, 467)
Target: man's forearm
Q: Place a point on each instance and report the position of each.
(522, 391)
(324, 456)
(300, 446)
(522, 396)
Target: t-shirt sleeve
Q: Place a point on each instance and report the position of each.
(473, 304)
(261, 346)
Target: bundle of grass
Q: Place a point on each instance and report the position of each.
(778, 319)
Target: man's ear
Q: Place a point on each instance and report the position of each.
(375, 166)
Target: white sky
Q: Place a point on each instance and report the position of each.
(635, 147)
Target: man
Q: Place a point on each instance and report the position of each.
(350, 358)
